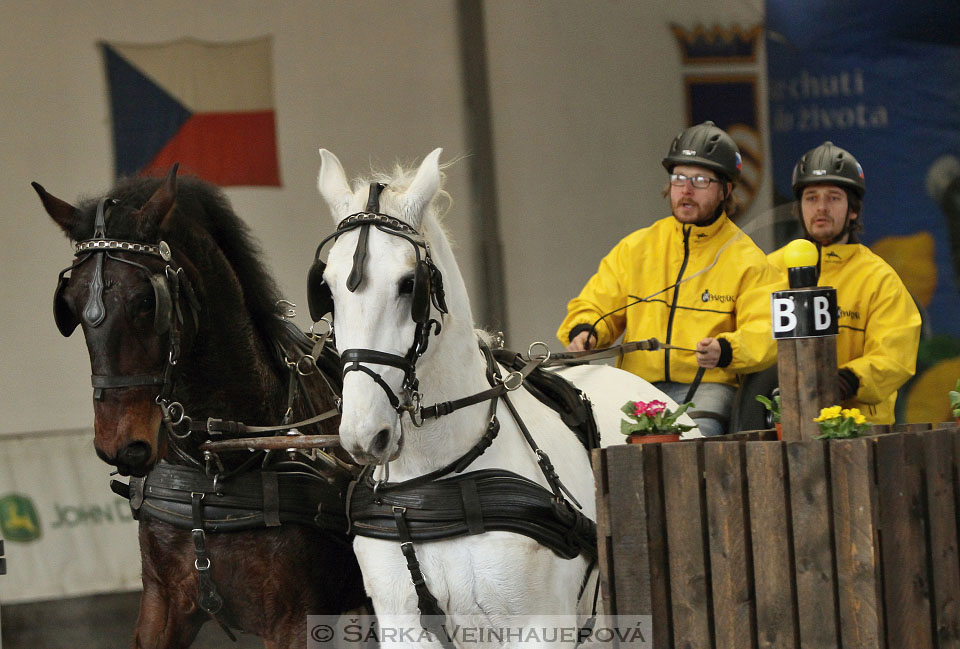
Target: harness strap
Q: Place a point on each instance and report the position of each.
(432, 617)
(457, 466)
(500, 386)
(448, 508)
(124, 380)
(394, 401)
(546, 466)
(208, 598)
(215, 426)
(244, 502)
(567, 358)
(696, 384)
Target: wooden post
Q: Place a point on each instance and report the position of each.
(805, 326)
(807, 370)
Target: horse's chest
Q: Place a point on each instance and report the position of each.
(492, 571)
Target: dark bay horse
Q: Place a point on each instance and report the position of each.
(182, 325)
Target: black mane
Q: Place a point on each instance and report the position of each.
(202, 220)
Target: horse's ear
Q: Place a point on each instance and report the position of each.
(423, 188)
(160, 204)
(60, 211)
(333, 186)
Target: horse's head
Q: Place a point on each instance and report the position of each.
(130, 295)
(387, 297)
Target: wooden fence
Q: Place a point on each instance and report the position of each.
(744, 543)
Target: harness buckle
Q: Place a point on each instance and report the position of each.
(384, 480)
(415, 409)
(196, 564)
(512, 381)
(210, 423)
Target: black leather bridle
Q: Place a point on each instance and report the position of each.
(427, 293)
(170, 289)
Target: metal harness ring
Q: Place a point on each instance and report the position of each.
(543, 357)
(307, 361)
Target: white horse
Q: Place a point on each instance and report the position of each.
(491, 576)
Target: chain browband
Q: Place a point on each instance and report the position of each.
(161, 250)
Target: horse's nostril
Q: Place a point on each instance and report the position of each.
(134, 455)
(381, 440)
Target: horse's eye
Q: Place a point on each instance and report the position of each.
(146, 303)
(406, 285)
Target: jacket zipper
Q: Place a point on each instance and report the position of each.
(673, 307)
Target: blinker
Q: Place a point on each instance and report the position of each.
(427, 283)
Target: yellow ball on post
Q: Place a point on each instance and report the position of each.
(801, 257)
(799, 253)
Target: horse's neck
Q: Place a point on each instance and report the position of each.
(231, 375)
(454, 368)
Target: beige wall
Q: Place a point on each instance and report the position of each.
(586, 96)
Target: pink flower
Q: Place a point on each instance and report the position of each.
(654, 408)
(651, 408)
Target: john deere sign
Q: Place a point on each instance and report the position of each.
(18, 519)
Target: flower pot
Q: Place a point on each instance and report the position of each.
(653, 439)
(779, 432)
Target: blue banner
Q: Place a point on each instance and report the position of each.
(882, 80)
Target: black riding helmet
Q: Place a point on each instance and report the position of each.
(828, 163)
(705, 145)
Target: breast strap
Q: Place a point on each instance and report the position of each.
(249, 501)
(473, 503)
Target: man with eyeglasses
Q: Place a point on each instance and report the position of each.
(692, 280)
(879, 326)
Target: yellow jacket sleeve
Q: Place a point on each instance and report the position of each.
(751, 344)
(890, 346)
(602, 295)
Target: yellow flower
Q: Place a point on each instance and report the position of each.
(854, 414)
(829, 413)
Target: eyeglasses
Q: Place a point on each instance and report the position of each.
(699, 182)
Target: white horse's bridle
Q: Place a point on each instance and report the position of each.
(427, 294)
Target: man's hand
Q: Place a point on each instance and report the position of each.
(708, 353)
(583, 341)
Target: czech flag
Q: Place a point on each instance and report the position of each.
(208, 106)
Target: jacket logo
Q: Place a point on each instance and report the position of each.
(701, 235)
(707, 296)
(832, 255)
(850, 314)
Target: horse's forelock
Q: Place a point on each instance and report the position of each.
(398, 182)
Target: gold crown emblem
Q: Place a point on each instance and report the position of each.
(718, 44)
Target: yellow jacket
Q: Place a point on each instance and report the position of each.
(729, 300)
(879, 326)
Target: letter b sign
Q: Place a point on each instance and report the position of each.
(804, 312)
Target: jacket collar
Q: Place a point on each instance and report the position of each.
(700, 233)
(838, 253)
